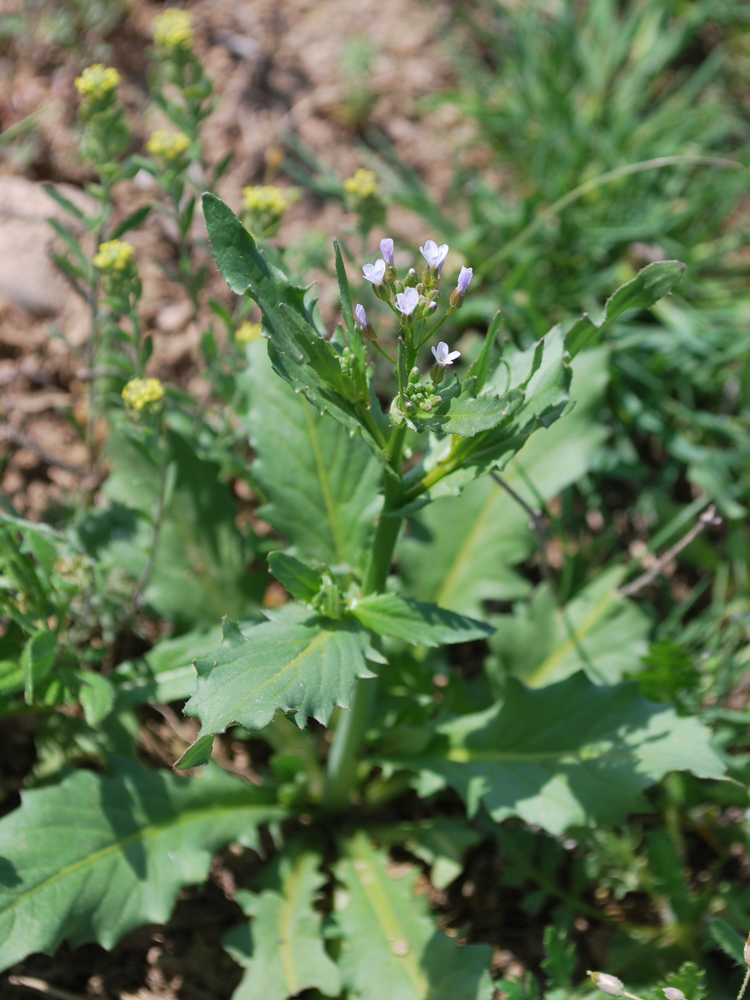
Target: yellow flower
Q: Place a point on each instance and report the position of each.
(114, 255)
(173, 29)
(248, 332)
(363, 184)
(143, 393)
(167, 145)
(98, 81)
(265, 198)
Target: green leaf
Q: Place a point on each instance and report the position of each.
(461, 550)
(301, 580)
(297, 663)
(390, 946)
(282, 949)
(96, 856)
(37, 660)
(440, 842)
(598, 631)
(64, 202)
(96, 695)
(468, 414)
(480, 367)
(647, 287)
(321, 485)
(201, 560)
(70, 240)
(727, 938)
(571, 753)
(131, 221)
(167, 673)
(535, 385)
(415, 623)
(299, 354)
(689, 978)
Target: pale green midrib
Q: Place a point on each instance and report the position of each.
(286, 922)
(553, 661)
(325, 488)
(143, 834)
(377, 896)
(319, 638)
(468, 547)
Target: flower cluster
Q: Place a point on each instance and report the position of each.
(143, 395)
(420, 395)
(98, 82)
(115, 259)
(415, 297)
(361, 195)
(362, 184)
(247, 332)
(114, 255)
(106, 135)
(173, 29)
(169, 147)
(264, 207)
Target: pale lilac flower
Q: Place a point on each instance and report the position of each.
(386, 248)
(443, 356)
(672, 993)
(374, 272)
(434, 255)
(407, 301)
(464, 280)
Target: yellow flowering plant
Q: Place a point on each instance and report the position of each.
(264, 206)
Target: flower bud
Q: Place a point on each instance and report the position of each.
(672, 993)
(746, 952)
(610, 985)
(414, 376)
(462, 285)
(411, 278)
(364, 323)
(386, 248)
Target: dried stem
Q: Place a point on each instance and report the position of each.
(708, 517)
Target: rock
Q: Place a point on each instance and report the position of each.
(28, 276)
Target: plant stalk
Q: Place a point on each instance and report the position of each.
(341, 769)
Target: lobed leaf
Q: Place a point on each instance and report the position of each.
(598, 631)
(96, 856)
(461, 550)
(282, 950)
(299, 354)
(200, 564)
(297, 663)
(571, 753)
(646, 288)
(390, 946)
(320, 484)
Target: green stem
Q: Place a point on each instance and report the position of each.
(341, 769)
